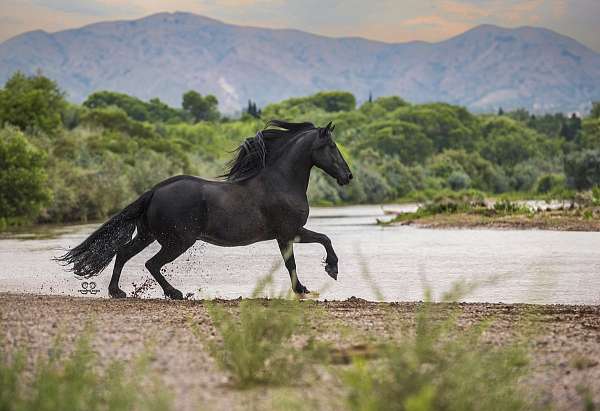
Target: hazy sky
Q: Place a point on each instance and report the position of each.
(388, 20)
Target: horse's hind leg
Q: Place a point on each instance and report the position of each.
(168, 253)
(141, 241)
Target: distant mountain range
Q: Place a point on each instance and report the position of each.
(166, 54)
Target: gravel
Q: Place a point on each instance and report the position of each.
(564, 342)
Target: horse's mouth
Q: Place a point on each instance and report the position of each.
(344, 180)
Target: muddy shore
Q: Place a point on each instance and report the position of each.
(564, 348)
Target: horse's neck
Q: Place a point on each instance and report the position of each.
(294, 165)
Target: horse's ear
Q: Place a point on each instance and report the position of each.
(332, 128)
(328, 126)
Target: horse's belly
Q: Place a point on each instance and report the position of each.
(224, 242)
(235, 229)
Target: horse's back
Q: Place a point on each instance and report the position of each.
(218, 211)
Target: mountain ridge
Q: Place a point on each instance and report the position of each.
(165, 54)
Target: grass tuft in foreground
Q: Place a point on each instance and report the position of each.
(257, 345)
(73, 382)
(440, 367)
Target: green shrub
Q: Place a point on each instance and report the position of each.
(23, 178)
(459, 180)
(441, 367)
(583, 169)
(255, 347)
(549, 182)
(332, 101)
(524, 176)
(200, 108)
(454, 202)
(506, 206)
(114, 118)
(73, 382)
(596, 195)
(31, 103)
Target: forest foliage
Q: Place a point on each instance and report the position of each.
(62, 162)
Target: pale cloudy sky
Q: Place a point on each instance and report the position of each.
(387, 20)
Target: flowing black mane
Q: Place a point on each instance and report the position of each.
(253, 155)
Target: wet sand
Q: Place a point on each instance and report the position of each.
(564, 349)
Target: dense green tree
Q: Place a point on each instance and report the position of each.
(153, 111)
(332, 101)
(590, 138)
(520, 114)
(114, 118)
(549, 125)
(549, 182)
(201, 108)
(159, 111)
(31, 103)
(459, 180)
(23, 178)
(252, 109)
(484, 175)
(524, 176)
(398, 138)
(133, 107)
(390, 103)
(508, 142)
(570, 128)
(583, 169)
(445, 125)
(595, 112)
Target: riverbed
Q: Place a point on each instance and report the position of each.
(394, 263)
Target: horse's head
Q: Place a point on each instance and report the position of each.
(327, 156)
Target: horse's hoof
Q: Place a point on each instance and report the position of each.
(300, 289)
(174, 294)
(118, 293)
(332, 270)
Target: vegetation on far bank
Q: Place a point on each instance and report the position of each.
(470, 208)
(62, 162)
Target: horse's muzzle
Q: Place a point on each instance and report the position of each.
(345, 180)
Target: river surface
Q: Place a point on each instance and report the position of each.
(392, 263)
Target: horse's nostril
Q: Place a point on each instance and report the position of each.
(350, 176)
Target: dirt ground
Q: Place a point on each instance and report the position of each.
(564, 347)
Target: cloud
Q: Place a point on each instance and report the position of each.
(429, 28)
(465, 11)
(521, 11)
(89, 7)
(10, 20)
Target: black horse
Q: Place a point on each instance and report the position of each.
(263, 198)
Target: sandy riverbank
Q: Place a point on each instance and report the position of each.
(564, 349)
(539, 221)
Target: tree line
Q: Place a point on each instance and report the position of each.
(63, 162)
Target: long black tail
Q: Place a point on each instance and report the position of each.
(94, 254)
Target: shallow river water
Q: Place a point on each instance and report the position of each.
(397, 263)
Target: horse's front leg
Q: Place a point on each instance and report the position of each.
(287, 252)
(331, 261)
